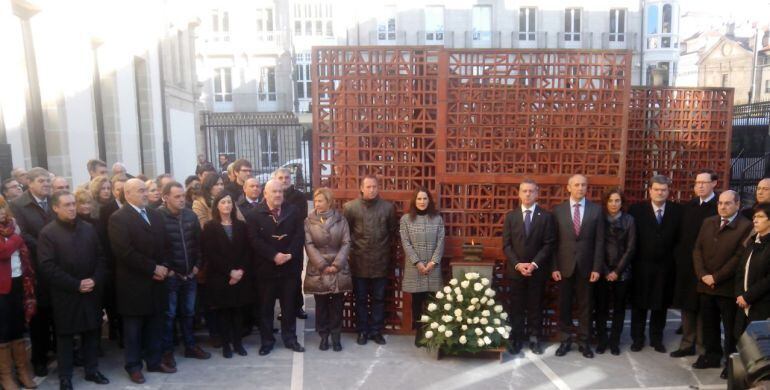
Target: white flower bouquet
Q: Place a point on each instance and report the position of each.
(457, 318)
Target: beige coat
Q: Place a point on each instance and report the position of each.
(327, 242)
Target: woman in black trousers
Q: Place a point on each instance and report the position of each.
(752, 277)
(225, 249)
(619, 244)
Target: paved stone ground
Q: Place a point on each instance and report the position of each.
(399, 365)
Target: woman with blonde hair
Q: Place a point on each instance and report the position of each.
(101, 192)
(84, 205)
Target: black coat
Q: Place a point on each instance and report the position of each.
(138, 248)
(537, 247)
(685, 290)
(654, 267)
(104, 220)
(223, 255)
(234, 189)
(758, 293)
(31, 219)
(184, 235)
(619, 246)
(296, 198)
(245, 207)
(68, 253)
(584, 253)
(268, 237)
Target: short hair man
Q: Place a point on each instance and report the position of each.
(762, 196)
(60, 184)
(252, 195)
(20, 174)
(96, 168)
(241, 171)
(11, 189)
(71, 260)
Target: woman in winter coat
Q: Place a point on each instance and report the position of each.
(17, 302)
(422, 237)
(226, 253)
(327, 243)
(752, 277)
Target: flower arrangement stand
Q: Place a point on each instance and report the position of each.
(492, 353)
(461, 267)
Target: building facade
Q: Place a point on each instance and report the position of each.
(77, 87)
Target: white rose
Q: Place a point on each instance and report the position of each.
(453, 282)
(498, 309)
(447, 289)
(463, 340)
(458, 291)
(441, 328)
(474, 300)
(432, 307)
(434, 325)
(464, 284)
(468, 275)
(485, 281)
(424, 318)
(446, 318)
(439, 295)
(471, 308)
(478, 331)
(464, 327)
(447, 306)
(469, 320)
(504, 315)
(507, 328)
(428, 334)
(485, 313)
(477, 286)
(483, 321)
(490, 293)
(458, 312)
(449, 297)
(459, 319)
(474, 275)
(476, 320)
(501, 330)
(489, 329)
(496, 321)
(480, 342)
(448, 333)
(487, 340)
(459, 298)
(483, 300)
(506, 335)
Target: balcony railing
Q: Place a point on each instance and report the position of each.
(482, 39)
(621, 41)
(387, 38)
(574, 40)
(529, 39)
(440, 38)
(662, 41)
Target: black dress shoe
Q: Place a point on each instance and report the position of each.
(683, 352)
(378, 338)
(585, 349)
(601, 347)
(65, 384)
(238, 348)
(659, 347)
(536, 348)
(723, 375)
(294, 346)
(336, 346)
(361, 340)
(614, 350)
(227, 352)
(265, 349)
(514, 347)
(563, 349)
(41, 370)
(97, 378)
(636, 346)
(301, 314)
(706, 362)
(324, 346)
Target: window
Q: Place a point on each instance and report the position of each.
(767, 86)
(319, 28)
(268, 139)
(434, 23)
(297, 27)
(665, 41)
(220, 25)
(386, 24)
(527, 23)
(481, 19)
(267, 84)
(302, 76)
(652, 19)
(617, 25)
(572, 24)
(308, 28)
(223, 86)
(265, 23)
(329, 29)
(725, 79)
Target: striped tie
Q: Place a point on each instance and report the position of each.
(576, 219)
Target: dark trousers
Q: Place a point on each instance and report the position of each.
(284, 290)
(230, 321)
(610, 294)
(111, 307)
(527, 304)
(203, 309)
(142, 339)
(714, 309)
(577, 287)
(299, 294)
(418, 306)
(41, 333)
(328, 313)
(181, 305)
(89, 349)
(639, 321)
(370, 290)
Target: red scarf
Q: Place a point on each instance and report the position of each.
(10, 243)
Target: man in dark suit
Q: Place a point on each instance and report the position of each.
(32, 211)
(762, 196)
(277, 237)
(142, 252)
(702, 206)
(579, 259)
(657, 231)
(252, 195)
(715, 258)
(110, 304)
(529, 236)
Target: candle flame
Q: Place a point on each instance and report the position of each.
(473, 242)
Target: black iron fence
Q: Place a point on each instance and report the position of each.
(268, 140)
(750, 148)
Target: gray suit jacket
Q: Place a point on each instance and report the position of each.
(583, 254)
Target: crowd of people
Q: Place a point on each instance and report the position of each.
(153, 256)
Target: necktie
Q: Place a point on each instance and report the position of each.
(576, 219)
(724, 223)
(527, 221)
(659, 216)
(44, 205)
(144, 215)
